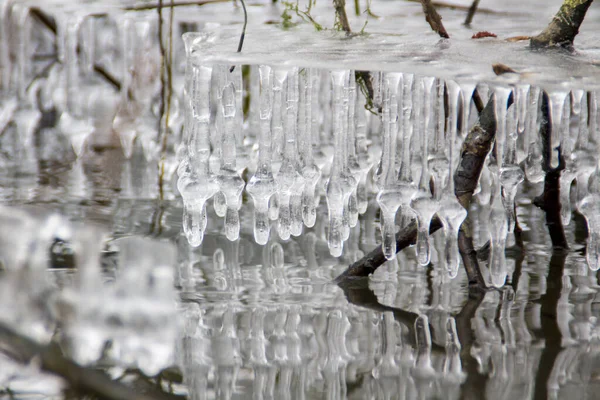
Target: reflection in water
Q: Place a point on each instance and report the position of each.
(267, 321)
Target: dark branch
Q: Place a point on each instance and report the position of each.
(369, 263)
(471, 13)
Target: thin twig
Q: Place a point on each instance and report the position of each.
(243, 35)
(471, 13)
(145, 7)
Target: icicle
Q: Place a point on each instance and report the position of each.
(511, 174)
(341, 182)
(362, 152)
(310, 171)
(389, 198)
(589, 207)
(501, 95)
(5, 59)
(498, 229)
(352, 158)
(279, 77)
(196, 184)
(568, 142)
(533, 163)
(438, 161)
(423, 367)
(289, 181)
(452, 362)
(407, 124)
(423, 203)
(451, 211)
(584, 153)
(557, 104)
(522, 105)
(576, 100)
(466, 90)
(231, 183)
(262, 185)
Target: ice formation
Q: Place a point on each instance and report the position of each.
(311, 133)
(288, 125)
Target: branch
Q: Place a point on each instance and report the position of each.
(340, 12)
(471, 13)
(564, 26)
(434, 19)
(474, 151)
(83, 380)
(369, 263)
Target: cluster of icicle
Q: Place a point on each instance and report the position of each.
(307, 134)
(78, 42)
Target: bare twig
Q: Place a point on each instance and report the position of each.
(564, 26)
(471, 13)
(243, 35)
(86, 381)
(145, 7)
(434, 19)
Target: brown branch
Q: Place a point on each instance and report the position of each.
(564, 26)
(85, 381)
(471, 13)
(434, 19)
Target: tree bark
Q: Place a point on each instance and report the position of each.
(564, 26)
